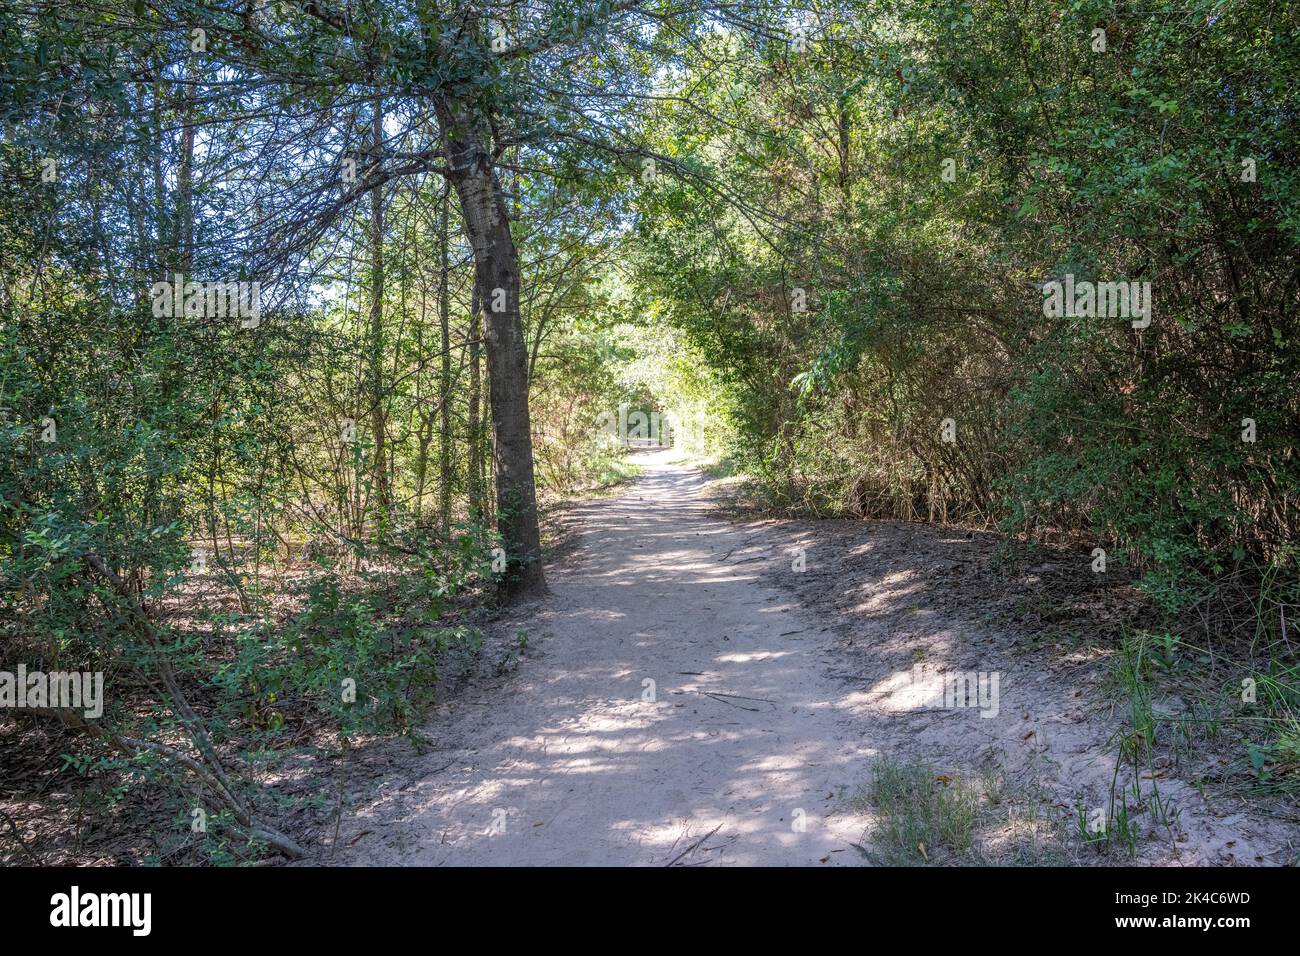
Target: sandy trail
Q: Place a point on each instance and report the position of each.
(773, 693)
(768, 704)
(741, 756)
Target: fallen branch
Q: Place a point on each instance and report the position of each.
(19, 837)
(694, 845)
(210, 771)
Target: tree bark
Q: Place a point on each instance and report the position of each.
(185, 180)
(496, 263)
(444, 384)
(477, 506)
(378, 409)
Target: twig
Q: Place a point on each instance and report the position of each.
(719, 693)
(723, 700)
(210, 770)
(695, 844)
(19, 837)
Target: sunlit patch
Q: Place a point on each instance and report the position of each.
(750, 657)
(889, 593)
(783, 763)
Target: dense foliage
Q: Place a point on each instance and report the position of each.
(822, 238)
(916, 177)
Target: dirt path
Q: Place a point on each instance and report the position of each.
(740, 754)
(773, 693)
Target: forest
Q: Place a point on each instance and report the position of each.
(555, 387)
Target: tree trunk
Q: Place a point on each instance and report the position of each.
(477, 506)
(444, 384)
(423, 421)
(496, 269)
(163, 249)
(378, 410)
(185, 180)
